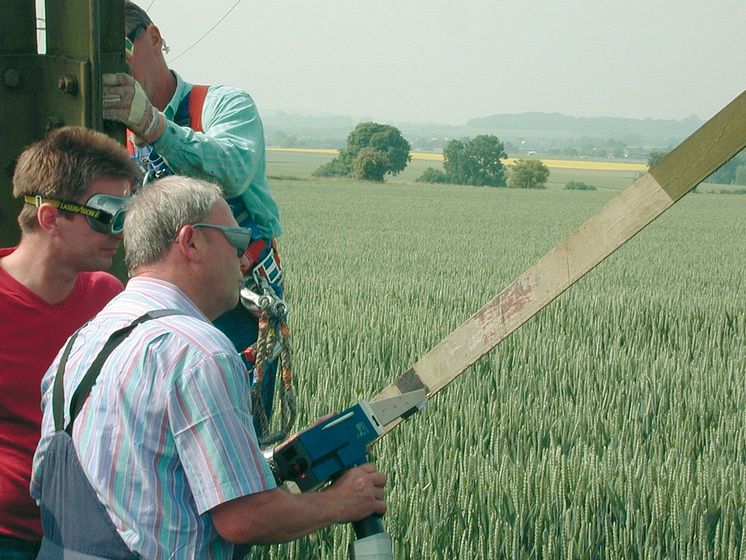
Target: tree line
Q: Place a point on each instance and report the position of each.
(375, 150)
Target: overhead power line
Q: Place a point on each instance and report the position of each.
(206, 34)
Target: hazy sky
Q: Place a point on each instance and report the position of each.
(448, 61)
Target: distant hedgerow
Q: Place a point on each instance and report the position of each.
(731, 191)
(432, 175)
(579, 186)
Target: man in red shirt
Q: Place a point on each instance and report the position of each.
(74, 184)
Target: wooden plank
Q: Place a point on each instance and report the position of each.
(718, 140)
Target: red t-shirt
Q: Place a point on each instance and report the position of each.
(31, 334)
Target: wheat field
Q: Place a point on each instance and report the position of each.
(609, 426)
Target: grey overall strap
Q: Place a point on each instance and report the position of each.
(58, 394)
(89, 379)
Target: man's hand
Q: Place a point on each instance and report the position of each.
(358, 493)
(277, 516)
(125, 101)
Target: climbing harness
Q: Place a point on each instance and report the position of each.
(260, 295)
(189, 113)
(272, 344)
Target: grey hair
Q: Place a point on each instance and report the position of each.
(158, 210)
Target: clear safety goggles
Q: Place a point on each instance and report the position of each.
(103, 212)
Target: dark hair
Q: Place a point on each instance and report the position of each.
(135, 18)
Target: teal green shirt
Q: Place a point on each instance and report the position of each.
(229, 150)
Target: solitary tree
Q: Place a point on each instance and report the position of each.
(528, 174)
(369, 164)
(475, 162)
(373, 150)
(655, 157)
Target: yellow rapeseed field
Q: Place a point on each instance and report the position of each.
(551, 163)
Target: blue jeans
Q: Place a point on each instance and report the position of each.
(17, 549)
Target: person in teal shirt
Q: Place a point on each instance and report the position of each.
(213, 133)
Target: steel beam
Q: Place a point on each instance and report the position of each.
(39, 92)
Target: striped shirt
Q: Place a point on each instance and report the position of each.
(166, 433)
(229, 151)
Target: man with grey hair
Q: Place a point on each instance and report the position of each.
(148, 448)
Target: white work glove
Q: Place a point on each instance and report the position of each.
(125, 101)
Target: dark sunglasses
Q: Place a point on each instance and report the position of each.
(238, 237)
(132, 35)
(129, 40)
(103, 212)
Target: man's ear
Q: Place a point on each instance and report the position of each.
(189, 243)
(47, 216)
(154, 36)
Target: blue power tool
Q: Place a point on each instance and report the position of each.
(323, 452)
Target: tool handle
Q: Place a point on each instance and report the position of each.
(371, 525)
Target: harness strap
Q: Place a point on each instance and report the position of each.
(196, 102)
(255, 250)
(89, 379)
(192, 117)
